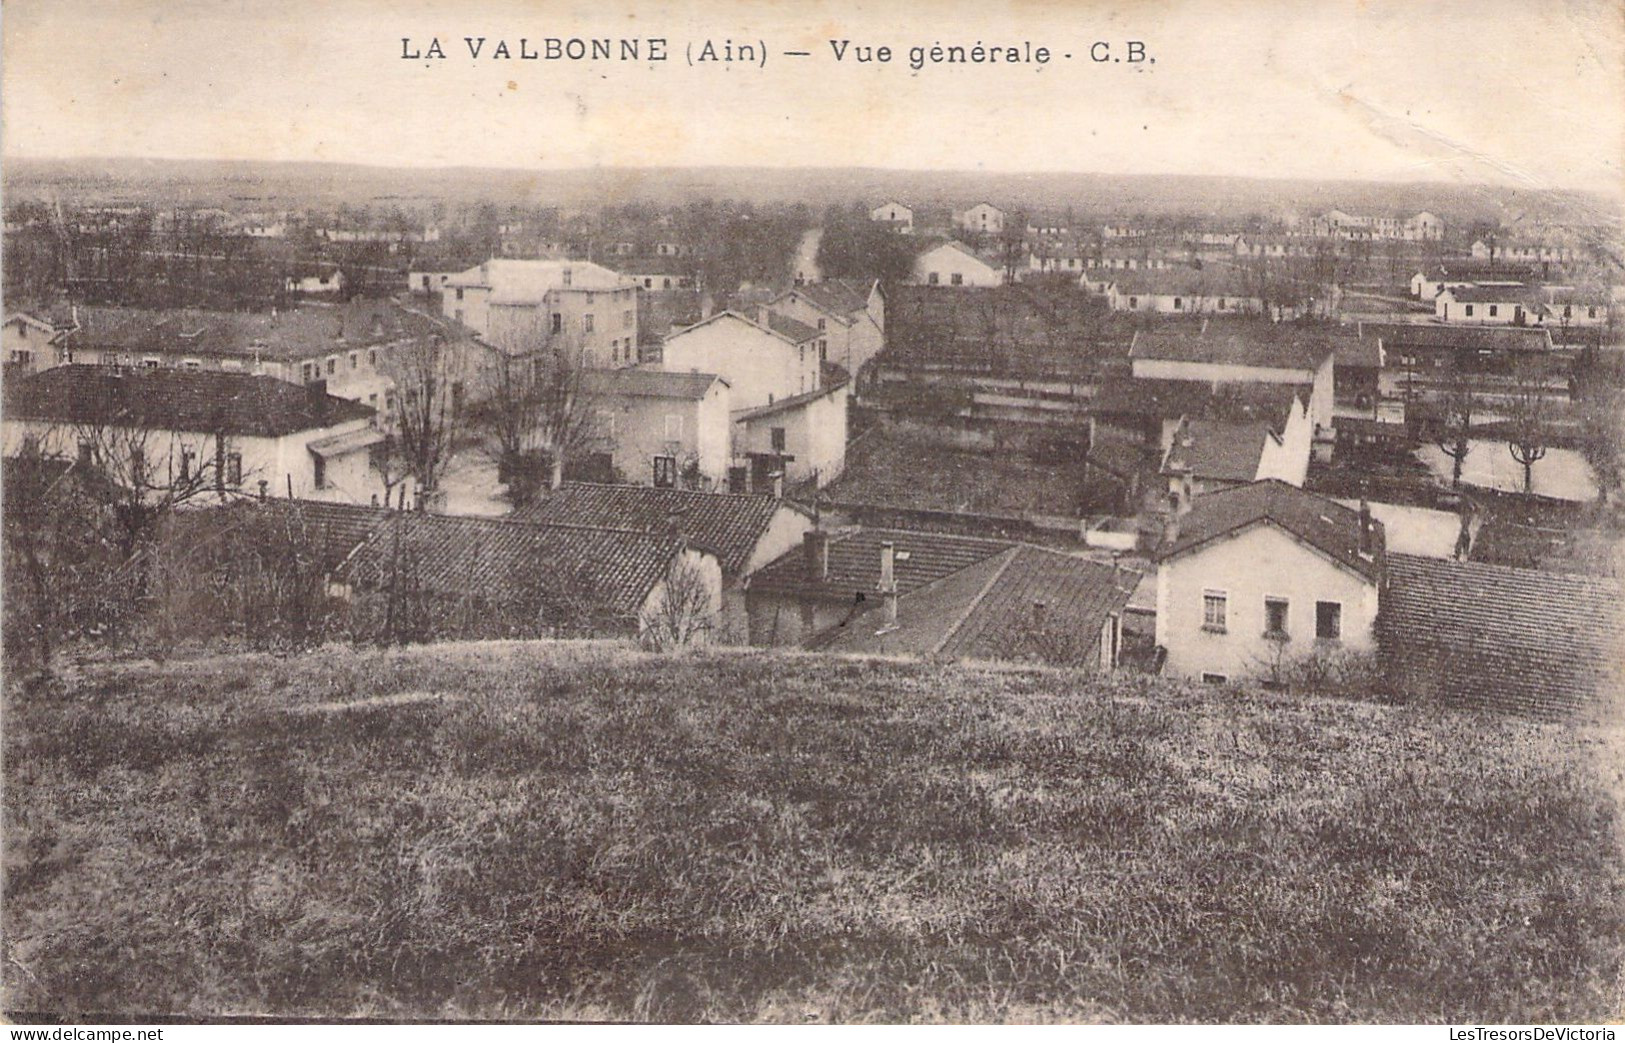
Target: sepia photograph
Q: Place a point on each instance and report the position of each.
(701, 512)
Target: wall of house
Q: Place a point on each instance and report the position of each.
(814, 433)
(279, 462)
(1184, 304)
(946, 262)
(780, 621)
(26, 348)
(522, 329)
(1484, 313)
(1299, 574)
(705, 565)
(639, 432)
(1288, 458)
(759, 366)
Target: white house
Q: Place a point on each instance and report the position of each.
(324, 280)
(1185, 291)
(1426, 284)
(1221, 617)
(896, 214)
(527, 307)
(235, 433)
(803, 437)
(763, 359)
(666, 430)
(851, 314)
(954, 264)
(1490, 305)
(30, 341)
(983, 218)
(1520, 251)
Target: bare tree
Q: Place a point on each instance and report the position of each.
(1602, 437)
(1530, 429)
(430, 375)
(1457, 403)
(686, 615)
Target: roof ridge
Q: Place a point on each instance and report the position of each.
(1010, 554)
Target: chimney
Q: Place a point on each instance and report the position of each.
(815, 544)
(1365, 526)
(778, 485)
(888, 582)
(1170, 529)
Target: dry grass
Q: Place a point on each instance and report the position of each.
(582, 831)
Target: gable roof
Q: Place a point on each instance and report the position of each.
(1240, 342)
(205, 401)
(728, 523)
(1505, 638)
(784, 328)
(792, 330)
(1323, 524)
(648, 383)
(854, 563)
(515, 561)
(1494, 293)
(931, 246)
(839, 298)
(1220, 450)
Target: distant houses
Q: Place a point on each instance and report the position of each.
(982, 219)
(897, 215)
(1185, 291)
(954, 264)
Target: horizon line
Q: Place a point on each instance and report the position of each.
(1617, 191)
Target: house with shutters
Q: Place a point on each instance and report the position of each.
(660, 429)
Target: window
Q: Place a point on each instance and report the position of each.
(626, 318)
(22, 357)
(372, 357)
(458, 315)
(234, 469)
(1469, 311)
(1179, 304)
(188, 459)
(665, 472)
(1214, 610)
(933, 279)
(138, 467)
(1568, 311)
(1133, 303)
(1328, 621)
(87, 453)
(558, 322)
(568, 276)
(1495, 310)
(307, 372)
(957, 279)
(355, 360)
(586, 323)
(674, 427)
(1275, 617)
(191, 364)
(1591, 313)
(777, 437)
(821, 325)
(332, 364)
(459, 293)
(1214, 679)
(319, 471)
(150, 362)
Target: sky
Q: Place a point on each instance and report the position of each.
(1512, 92)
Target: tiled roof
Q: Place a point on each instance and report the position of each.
(1240, 342)
(1151, 397)
(854, 563)
(990, 610)
(287, 334)
(204, 401)
(515, 561)
(840, 297)
(334, 530)
(1220, 451)
(1395, 337)
(648, 383)
(1503, 638)
(1327, 526)
(791, 329)
(726, 523)
(1480, 270)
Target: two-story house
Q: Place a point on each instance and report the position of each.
(850, 314)
(661, 429)
(527, 308)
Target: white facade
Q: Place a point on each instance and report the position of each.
(951, 264)
(1321, 400)
(1190, 585)
(525, 307)
(896, 214)
(983, 219)
(810, 430)
(852, 339)
(1198, 303)
(761, 366)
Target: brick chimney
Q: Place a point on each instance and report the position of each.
(1365, 526)
(888, 581)
(778, 485)
(815, 544)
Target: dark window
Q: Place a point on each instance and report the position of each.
(665, 472)
(933, 279)
(459, 293)
(234, 468)
(558, 322)
(138, 467)
(87, 453)
(777, 435)
(1275, 610)
(1328, 620)
(1214, 679)
(319, 471)
(332, 365)
(188, 458)
(1215, 610)
(958, 279)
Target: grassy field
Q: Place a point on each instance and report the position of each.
(582, 831)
